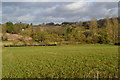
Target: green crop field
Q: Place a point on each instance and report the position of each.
(67, 61)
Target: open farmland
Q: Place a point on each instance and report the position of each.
(68, 61)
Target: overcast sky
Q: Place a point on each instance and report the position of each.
(60, 0)
(42, 12)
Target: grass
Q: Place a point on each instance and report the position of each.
(68, 61)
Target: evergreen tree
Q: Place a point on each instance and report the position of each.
(10, 27)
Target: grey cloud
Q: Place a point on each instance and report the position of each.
(39, 12)
(60, 0)
(93, 9)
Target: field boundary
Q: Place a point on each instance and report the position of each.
(28, 45)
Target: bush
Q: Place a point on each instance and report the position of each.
(4, 38)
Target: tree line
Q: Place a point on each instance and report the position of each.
(90, 32)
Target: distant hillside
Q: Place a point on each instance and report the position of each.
(103, 31)
(100, 22)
